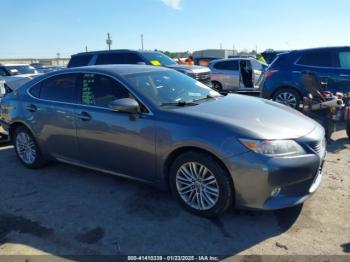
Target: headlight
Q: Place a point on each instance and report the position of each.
(274, 147)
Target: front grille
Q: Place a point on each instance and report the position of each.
(318, 147)
(204, 78)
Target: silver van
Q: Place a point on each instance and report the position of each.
(236, 74)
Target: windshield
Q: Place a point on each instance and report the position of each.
(158, 59)
(167, 87)
(21, 69)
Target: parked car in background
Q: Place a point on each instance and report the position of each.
(283, 83)
(204, 61)
(236, 74)
(16, 75)
(153, 58)
(162, 127)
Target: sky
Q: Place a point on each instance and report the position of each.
(43, 28)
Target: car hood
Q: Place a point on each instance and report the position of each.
(254, 118)
(194, 69)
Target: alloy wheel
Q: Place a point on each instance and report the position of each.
(197, 186)
(287, 99)
(26, 148)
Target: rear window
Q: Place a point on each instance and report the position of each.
(118, 58)
(80, 60)
(321, 59)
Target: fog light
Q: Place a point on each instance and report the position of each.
(276, 192)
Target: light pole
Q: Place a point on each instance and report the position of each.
(142, 42)
(109, 41)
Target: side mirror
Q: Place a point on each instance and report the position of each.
(127, 105)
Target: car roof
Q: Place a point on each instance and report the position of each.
(233, 59)
(112, 51)
(117, 70)
(328, 48)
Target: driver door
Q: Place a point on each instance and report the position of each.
(113, 141)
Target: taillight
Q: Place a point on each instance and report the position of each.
(270, 73)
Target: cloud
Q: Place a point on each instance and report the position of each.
(174, 4)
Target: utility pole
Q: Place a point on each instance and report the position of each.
(109, 41)
(58, 58)
(86, 49)
(142, 42)
(220, 45)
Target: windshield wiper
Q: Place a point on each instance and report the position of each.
(205, 98)
(180, 104)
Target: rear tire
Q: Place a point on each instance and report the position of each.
(201, 184)
(27, 149)
(288, 97)
(217, 86)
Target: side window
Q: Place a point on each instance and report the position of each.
(2, 72)
(60, 88)
(321, 59)
(99, 90)
(79, 60)
(109, 59)
(344, 60)
(227, 65)
(35, 90)
(131, 58)
(257, 65)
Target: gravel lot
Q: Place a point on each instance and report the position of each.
(64, 210)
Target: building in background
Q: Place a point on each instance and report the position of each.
(219, 53)
(44, 61)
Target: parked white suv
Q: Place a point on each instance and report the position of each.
(16, 75)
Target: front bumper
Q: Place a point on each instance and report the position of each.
(273, 183)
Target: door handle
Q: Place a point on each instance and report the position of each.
(32, 108)
(83, 116)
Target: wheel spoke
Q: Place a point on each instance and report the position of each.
(197, 186)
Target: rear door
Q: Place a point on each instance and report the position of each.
(227, 73)
(52, 112)
(257, 72)
(324, 64)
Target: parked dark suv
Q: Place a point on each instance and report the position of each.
(154, 58)
(283, 83)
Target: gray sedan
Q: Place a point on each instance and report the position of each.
(162, 127)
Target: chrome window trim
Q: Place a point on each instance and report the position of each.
(76, 104)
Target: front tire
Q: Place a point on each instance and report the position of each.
(201, 184)
(27, 149)
(288, 97)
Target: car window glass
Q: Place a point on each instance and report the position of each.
(108, 59)
(322, 59)
(2, 72)
(60, 88)
(80, 60)
(35, 90)
(257, 65)
(99, 90)
(227, 65)
(344, 60)
(131, 58)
